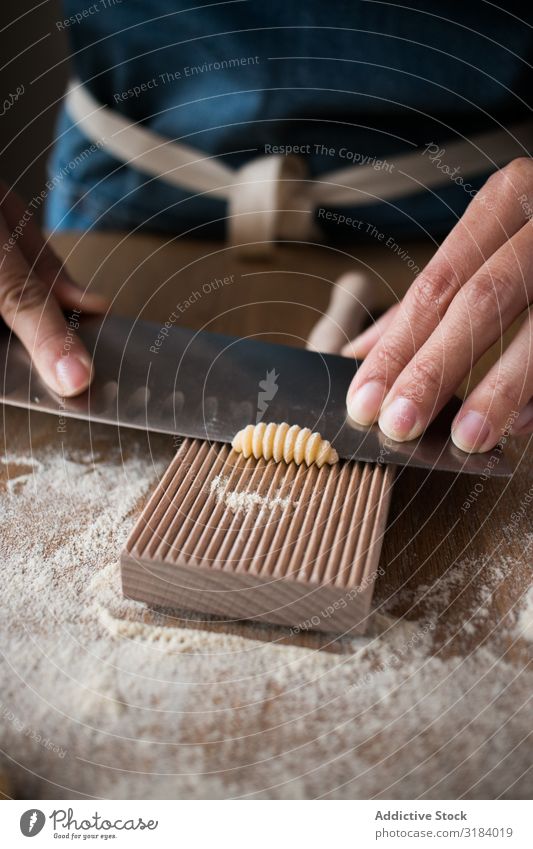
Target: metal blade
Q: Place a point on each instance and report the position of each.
(180, 381)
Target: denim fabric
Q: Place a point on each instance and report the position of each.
(374, 79)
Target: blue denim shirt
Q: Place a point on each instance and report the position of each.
(349, 80)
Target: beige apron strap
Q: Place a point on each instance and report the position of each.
(418, 171)
(149, 152)
(269, 200)
(272, 197)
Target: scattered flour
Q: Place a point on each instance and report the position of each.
(474, 582)
(236, 501)
(524, 622)
(103, 697)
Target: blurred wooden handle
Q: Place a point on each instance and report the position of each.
(352, 299)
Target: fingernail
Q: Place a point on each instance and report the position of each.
(524, 420)
(399, 420)
(364, 404)
(73, 374)
(471, 432)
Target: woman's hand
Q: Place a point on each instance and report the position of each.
(34, 288)
(479, 281)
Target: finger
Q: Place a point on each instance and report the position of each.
(478, 316)
(42, 259)
(28, 307)
(492, 409)
(363, 344)
(524, 422)
(478, 234)
(72, 296)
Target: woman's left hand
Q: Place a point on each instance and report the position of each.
(479, 281)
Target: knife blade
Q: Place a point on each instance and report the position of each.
(175, 380)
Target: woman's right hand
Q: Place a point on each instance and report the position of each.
(34, 291)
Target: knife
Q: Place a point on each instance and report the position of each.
(175, 380)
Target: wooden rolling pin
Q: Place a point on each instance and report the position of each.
(352, 299)
(6, 791)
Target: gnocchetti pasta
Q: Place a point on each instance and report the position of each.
(284, 442)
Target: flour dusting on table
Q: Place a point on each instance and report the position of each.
(524, 622)
(102, 697)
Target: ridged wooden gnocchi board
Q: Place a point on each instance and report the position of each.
(250, 539)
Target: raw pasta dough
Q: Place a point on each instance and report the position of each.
(283, 442)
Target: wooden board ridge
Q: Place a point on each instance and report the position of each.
(250, 539)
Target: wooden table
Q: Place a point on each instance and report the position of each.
(432, 703)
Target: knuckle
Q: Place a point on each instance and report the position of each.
(519, 169)
(387, 360)
(502, 387)
(46, 342)
(426, 373)
(512, 178)
(488, 297)
(20, 293)
(432, 289)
